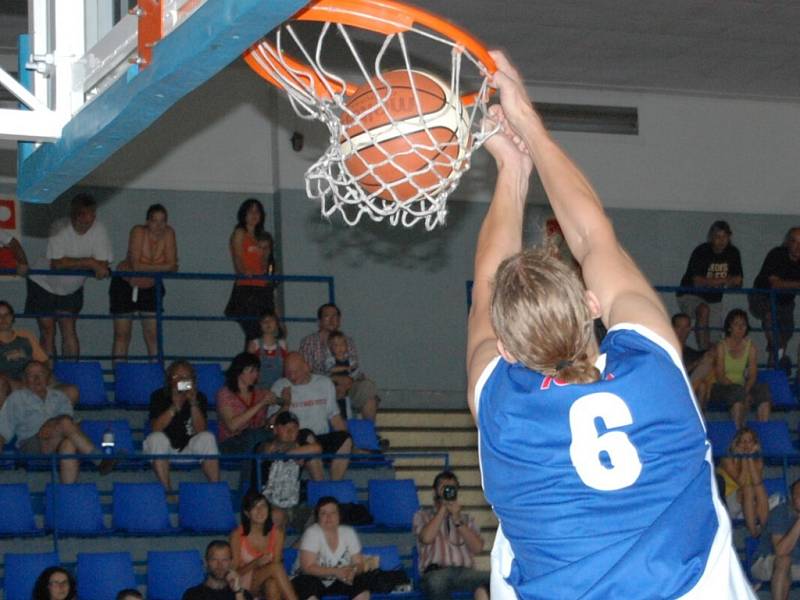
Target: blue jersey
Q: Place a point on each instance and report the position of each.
(603, 490)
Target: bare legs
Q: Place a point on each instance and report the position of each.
(273, 581)
(70, 345)
(62, 435)
(123, 331)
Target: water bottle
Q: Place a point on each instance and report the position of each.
(108, 442)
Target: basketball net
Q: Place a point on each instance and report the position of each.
(317, 91)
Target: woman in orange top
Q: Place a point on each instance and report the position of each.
(252, 254)
(151, 247)
(258, 551)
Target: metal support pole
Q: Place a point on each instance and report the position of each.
(159, 320)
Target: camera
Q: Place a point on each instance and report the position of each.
(185, 385)
(449, 492)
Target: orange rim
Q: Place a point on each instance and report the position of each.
(382, 16)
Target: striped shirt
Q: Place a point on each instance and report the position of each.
(448, 549)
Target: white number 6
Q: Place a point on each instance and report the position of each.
(587, 444)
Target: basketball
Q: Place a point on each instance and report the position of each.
(402, 134)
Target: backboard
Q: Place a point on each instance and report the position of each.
(93, 74)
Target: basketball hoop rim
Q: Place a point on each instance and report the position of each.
(381, 16)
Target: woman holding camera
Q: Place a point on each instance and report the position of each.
(178, 419)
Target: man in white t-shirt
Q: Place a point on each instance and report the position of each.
(79, 243)
(312, 398)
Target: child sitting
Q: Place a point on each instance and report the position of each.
(341, 369)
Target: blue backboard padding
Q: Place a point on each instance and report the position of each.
(212, 38)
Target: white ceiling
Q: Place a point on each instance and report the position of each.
(742, 48)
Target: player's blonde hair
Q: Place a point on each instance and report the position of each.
(539, 313)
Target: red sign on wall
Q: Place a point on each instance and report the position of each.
(8, 214)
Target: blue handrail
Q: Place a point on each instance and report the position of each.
(160, 316)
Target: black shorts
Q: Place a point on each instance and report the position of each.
(330, 442)
(39, 300)
(306, 586)
(120, 296)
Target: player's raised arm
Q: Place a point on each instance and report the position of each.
(623, 293)
(500, 237)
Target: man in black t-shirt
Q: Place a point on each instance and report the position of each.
(781, 270)
(222, 581)
(714, 264)
(179, 423)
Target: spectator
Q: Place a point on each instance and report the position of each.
(80, 243)
(151, 247)
(242, 408)
(447, 542)
(778, 552)
(258, 551)
(281, 478)
(743, 471)
(222, 581)
(130, 594)
(17, 348)
(714, 264)
(252, 252)
(314, 348)
(312, 398)
(342, 371)
(12, 255)
(55, 583)
(699, 365)
(331, 563)
(270, 349)
(781, 270)
(178, 419)
(735, 366)
(41, 420)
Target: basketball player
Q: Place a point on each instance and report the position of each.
(595, 460)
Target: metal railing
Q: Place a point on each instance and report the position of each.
(161, 315)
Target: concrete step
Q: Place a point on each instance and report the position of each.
(425, 418)
(439, 437)
(460, 457)
(424, 475)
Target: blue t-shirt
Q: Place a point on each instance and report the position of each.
(781, 519)
(603, 490)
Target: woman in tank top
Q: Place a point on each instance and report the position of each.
(251, 250)
(151, 247)
(735, 366)
(258, 551)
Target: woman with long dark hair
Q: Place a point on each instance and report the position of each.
(257, 546)
(252, 252)
(54, 583)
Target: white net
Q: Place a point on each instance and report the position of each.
(405, 181)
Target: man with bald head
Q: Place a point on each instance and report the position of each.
(312, 398)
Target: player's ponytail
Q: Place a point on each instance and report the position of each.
(540, 314)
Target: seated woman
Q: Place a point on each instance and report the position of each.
(735, 366)
(54, 583)
(743, 472)
(258, 551)
(331, 563)
(270, 349)
(242, 408)
(17, 348)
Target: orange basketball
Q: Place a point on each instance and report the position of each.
(401, 143)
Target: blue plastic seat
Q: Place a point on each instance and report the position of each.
(289, 559)
(209, 379)
(74, 509)
(88, 377)
(123, 436)
(776, 485)
(776, 443)
(22, 570)
(389, 556)
(101, 575)
(205, 507)
(141, 508)
(720, 434)
(135, 382)
(170, 574)
(393, 502)
(363, 433)
(16, 510)
(779, 389)
(343, 490)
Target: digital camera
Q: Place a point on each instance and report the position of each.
(449, 492)
(185, 385)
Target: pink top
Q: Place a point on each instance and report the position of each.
(248, 553)
(231, 400)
